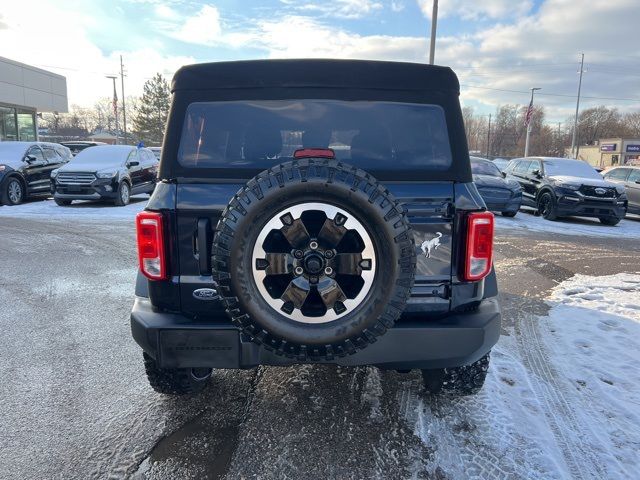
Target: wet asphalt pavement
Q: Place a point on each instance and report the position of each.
(75, 402)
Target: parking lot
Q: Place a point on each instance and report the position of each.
(561, 400)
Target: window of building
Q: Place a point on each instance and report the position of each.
(8, 130)
(26, 125)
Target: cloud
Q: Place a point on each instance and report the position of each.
(477, 9)
(397, 6)
(346, 9)
(299, 36)
(202, 28)
(71, 53)
(165, 12)
(496, 64)
(542, 50)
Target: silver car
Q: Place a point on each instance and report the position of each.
(629, 176)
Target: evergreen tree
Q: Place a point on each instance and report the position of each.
(152, 110)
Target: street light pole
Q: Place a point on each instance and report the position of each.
(434, 24)
(529, 114)
(115, 103)
(574, 139)
(489, 138)
(124, 110)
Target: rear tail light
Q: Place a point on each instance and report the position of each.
(479, 253)
(151, 253)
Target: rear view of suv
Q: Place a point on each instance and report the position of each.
(315, 211)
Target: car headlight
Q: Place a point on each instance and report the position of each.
(620, 189)
(106, 174)
(570, 187)
(54, 173)
(515, 185)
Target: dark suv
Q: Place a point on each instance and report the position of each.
(562, 187)
(315, 211)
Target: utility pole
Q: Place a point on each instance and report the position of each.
(489, 137)
(124, 110)
(574, 146)
(529, 114)
(434, 24)
(115, 103)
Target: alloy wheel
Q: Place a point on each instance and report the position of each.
(313, 262)
(14, 190)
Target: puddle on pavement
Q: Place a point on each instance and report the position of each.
(200, 445)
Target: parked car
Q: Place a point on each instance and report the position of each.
(156, 151)
(264, 245)
(77, 146)
(106, 172)
(25, 168)
(498, 193)
(501, 163)
(628, 176)
(558, 187)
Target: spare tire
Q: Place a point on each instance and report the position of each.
(314, 259)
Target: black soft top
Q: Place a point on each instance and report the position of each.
(361, 74)
(348, 80)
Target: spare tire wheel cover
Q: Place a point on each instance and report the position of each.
(314, 259)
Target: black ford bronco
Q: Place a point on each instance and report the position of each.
(315, 211)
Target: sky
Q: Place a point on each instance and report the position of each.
(498, 48)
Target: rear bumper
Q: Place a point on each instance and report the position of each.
(455, 340)
(499, 203)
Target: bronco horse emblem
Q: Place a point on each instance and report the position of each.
(432, 244)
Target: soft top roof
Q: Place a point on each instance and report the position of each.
(309, 73)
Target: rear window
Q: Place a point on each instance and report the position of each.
(483, 167)
(259, 134)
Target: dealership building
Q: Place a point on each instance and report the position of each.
(610, 152)
(26, 91)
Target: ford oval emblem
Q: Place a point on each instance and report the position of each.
(600, 191)
(205, 294)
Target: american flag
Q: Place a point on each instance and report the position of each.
(529, 114)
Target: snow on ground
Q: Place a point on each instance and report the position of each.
(562, 399)
(525, 222)
(78, 210)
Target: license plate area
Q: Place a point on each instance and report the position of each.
(216, 348)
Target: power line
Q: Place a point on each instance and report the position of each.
(551, 94)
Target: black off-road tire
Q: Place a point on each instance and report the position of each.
(457, 381)
(62, 202)
(611, 221)
(547, 206)
(294, 183)
(175, 381)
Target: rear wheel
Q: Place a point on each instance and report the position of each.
(13, 192)
(62, 202)
(123, 195)
(458, 381)
(611, 221)
(175, 381)
(547, 206)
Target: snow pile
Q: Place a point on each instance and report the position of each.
(78, 210)
(525, 222)
(562, 399)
